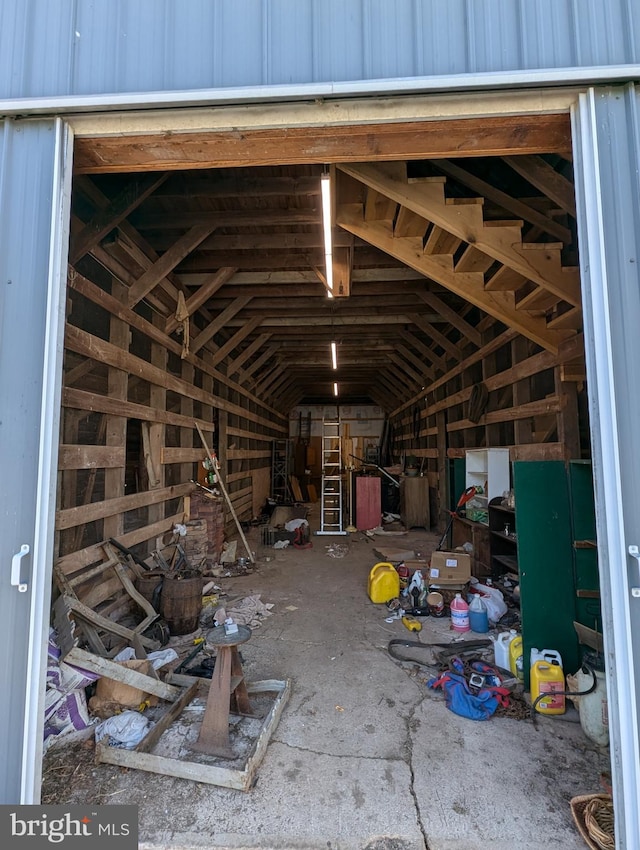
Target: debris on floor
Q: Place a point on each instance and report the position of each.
(250, 611)
(337, 550)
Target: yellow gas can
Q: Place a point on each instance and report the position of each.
(547, 683)
(384, 582)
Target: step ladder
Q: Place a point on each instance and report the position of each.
(331, 493)
(280, 470)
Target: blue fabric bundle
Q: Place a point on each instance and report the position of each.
(462, 700)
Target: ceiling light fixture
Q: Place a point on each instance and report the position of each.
(334, 356)
(325, 191)
(335, 389)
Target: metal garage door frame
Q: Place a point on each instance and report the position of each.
(615, 498)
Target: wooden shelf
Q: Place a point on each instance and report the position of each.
(508, 537)
(508, 561)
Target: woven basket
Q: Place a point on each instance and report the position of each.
(593, 815)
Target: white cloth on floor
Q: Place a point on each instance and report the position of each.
(249, 612)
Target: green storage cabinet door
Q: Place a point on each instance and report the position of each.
(545, 559)
(457, 480)
(583, 517)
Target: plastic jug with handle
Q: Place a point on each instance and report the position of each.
(547, 686)
(459, 614)
(501, 648)
(478, 615)
(384, 582)
(516, 664)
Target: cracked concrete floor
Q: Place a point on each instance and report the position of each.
(364, 756)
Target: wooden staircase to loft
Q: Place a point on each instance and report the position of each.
(524, 284)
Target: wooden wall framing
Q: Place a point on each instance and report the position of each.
(533, 407)
(130, 450)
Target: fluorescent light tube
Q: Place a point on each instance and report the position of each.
(325, 187)
(334, 356)
(335, 389)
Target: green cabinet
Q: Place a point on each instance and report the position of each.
(583, 518)
(546, 561)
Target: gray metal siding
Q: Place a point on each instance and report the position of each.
(84, 47)
(607, 157)
(26, 197)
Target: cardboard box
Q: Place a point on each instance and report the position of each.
(112, 691)
(448, 568)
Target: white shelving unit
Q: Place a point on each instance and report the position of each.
(489, 469)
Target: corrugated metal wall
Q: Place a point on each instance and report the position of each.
(27, 301)
(607, 156)
(75, 47)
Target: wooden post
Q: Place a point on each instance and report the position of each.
(568, 418)
(116, 426)
(443, 489)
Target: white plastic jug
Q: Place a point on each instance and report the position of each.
(548, 655)
(501, 648)
(592, 707)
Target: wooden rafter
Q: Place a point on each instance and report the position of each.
(545, 178)
(105, 220)
(206, 289)
(231, 344)
(514, 205)
(454, 318)
(213, 327)
(167, 262)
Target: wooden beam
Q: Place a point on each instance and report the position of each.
(90, 346)
(423, 368)
(458, 137)
(235, 340)
(553, 404)
(88, 457)
(519, 208)
(451, 316)
(342, 270)
(134, 193)
(206, 289)
(438, 338)
(212, 328)
(235, 365)
(412, 340)
(545, 178)
(71, 517)
(167, 262)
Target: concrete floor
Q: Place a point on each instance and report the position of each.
(364, 756)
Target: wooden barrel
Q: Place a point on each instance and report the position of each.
(148, 585)
(181, 601)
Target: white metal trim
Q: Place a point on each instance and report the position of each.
(66, 104)
(623, 710)
(41, 578)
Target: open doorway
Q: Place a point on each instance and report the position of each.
(242, 243)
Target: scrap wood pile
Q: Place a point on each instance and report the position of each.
(109, 637)
(118, 598)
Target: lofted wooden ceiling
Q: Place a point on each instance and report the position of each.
(432, 256)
